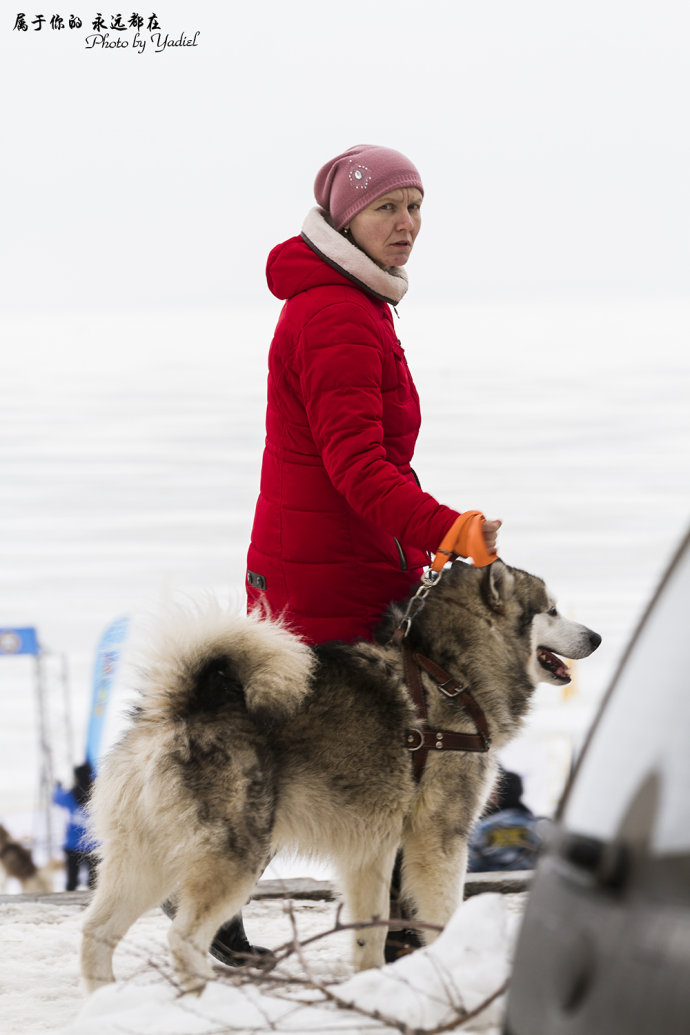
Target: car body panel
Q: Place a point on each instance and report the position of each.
(604, 946)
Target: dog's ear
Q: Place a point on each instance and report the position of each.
(499, 583)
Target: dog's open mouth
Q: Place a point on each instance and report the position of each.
(553, 664)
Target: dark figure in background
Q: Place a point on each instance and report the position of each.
(506, 837)
(78, 848)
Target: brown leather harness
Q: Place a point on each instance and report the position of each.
(420, 739)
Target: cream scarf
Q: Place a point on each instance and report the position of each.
(389, 283)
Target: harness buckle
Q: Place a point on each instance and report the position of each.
(411, 746)
(451, 688)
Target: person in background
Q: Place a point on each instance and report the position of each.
(78, 848)
(506, 837)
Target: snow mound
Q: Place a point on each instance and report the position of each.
(451, 979)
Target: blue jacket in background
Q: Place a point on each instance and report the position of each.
(76, 835)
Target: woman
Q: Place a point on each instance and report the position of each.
(342, 527)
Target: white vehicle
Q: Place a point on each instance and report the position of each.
(604, 948)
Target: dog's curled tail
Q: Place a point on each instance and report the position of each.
(259, 656)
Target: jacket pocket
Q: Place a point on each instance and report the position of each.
(401, 555)
(402, 374)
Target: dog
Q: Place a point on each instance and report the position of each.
(245, 741)
(17, 862)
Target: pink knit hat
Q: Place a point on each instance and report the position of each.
(350, 181)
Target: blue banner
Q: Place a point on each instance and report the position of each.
(19, 641)
(105, 667)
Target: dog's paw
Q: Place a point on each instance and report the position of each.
(91, 985)
(190, 964)
(190, 984)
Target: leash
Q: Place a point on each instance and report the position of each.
(420, 739)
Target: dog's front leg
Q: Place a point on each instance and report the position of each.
(367, 890)
(433, 880)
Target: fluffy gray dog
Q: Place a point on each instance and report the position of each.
(246, 742)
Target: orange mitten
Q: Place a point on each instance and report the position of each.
(465, 538)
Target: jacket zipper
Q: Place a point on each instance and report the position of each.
(401, 555)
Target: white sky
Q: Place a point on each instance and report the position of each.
(552, 138)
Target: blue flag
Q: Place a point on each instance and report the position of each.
(19, 641)
(105, 667)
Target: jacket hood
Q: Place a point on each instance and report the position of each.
(321, 256)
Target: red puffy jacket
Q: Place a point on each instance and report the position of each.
(341, 526)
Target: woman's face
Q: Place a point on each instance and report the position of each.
(387, 228)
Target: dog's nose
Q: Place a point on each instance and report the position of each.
(594, 639)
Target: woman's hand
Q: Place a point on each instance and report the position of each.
(490, 533)
(470, 535)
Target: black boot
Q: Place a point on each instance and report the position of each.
(399, 943)
(230, 944)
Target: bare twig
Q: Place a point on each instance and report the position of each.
(286, 987)
(288, 948)
(461, 1015)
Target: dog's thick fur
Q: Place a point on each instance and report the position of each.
(17, 862)
(246, 742)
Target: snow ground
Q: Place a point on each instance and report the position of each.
(466, 966)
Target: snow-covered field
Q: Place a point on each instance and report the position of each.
(309, 991)
(129, 465)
